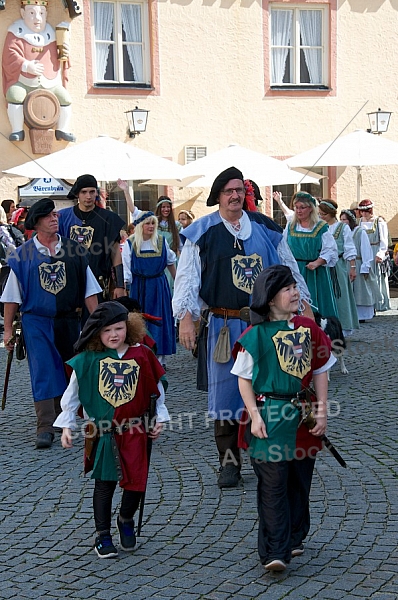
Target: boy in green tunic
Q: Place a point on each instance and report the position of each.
(276, 359)
(114, 376)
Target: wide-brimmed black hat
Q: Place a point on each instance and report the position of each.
(105, 314)
(39, 209)
(267, 285)
(220, 181)
(83, 181)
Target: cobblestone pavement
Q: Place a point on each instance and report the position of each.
(199, 542)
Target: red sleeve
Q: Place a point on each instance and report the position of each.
(237, 347)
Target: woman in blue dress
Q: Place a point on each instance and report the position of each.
(146, 255)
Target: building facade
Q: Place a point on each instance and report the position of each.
(278, 77)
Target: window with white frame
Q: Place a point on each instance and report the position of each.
(121, 31)
(299, 45)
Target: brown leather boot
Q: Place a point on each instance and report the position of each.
(45, 413)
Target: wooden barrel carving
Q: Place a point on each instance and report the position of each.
(41, 109)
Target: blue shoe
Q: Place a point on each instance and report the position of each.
(128, 540)
(104, 546)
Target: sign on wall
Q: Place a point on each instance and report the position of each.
(44, 187)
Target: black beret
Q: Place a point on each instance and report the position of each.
(83, 181)
(106, 313)
(267, 285)
(39, 209)
(220, 181)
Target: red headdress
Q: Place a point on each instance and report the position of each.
(250, 196)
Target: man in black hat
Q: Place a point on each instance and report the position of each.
(97, 230)
(221, 258)
(51, 282)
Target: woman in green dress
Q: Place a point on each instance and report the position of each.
(315, 251)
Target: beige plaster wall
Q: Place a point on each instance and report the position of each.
(212, 92)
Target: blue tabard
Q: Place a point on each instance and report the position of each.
(228, 274)
(52, 288)
(101, 229)
(150, 287)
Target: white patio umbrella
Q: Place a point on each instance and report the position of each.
(262, 169)
(357, 149)
(104, 157)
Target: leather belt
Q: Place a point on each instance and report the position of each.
(230, 313)
(118, 430)
(284, 397)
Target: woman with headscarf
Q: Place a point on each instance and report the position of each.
(146, 255)
(344, 274)
(315, 251)
(169, 228)
(377, 231)
(364, 285)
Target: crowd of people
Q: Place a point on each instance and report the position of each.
(99, 302)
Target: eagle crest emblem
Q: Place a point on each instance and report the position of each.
(82, 234)
(293, 349)
(245, 270)
(52, 276)
(118, 380)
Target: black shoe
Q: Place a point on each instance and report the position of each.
(104, 547)
(229, 477)
(128, 540)
(66, 137)
(17, 136)
(44, 440)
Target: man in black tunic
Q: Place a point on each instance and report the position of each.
(97, 230)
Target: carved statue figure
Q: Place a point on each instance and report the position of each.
(31, 62)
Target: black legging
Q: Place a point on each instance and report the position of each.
(102, 504)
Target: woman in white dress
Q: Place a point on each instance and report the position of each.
(364, 285)
(345, 269)
(377, 231)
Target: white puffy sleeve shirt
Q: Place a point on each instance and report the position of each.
(366, 250)
(349, 252)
